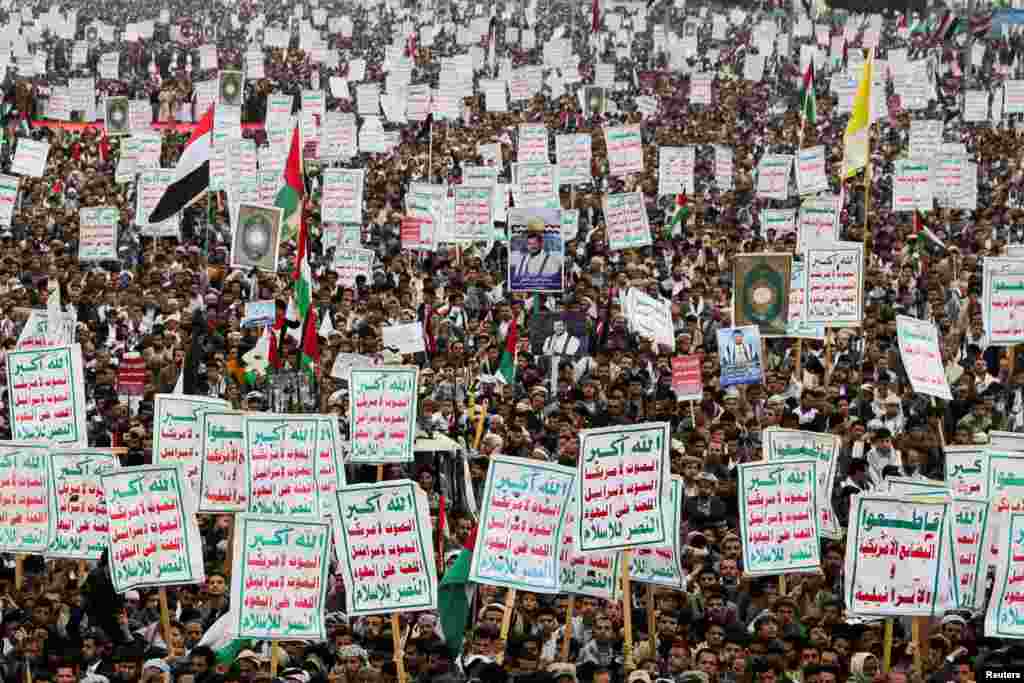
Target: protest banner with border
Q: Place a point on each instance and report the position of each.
(46, 390)
(625, 150)
(330, 462)
(384, 541)
(26, 517)
(1001, 308)
(382, 413)
(78, 508)
(574, 156)
(922, 358)
(279, 579)
(795, 327)
(783, 444)
(884, 533)
(40, 333)
(835, 284)
(1004, 617)
(151, 185)
(687, 381)
(177, 435)
(518, 542)
(970, 539)
(779, 520)
(629, 512)
(8, 198)
(663, 565)
(97, 233)
(595, 573)
(342, 200)
(282, 453)
(966, 471)
(30, 158)
(154, 537)
(625, 216)
(223, 461)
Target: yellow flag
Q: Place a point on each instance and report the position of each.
(855, 141)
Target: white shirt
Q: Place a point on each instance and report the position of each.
(541, 263)
(562, 344)
(742, 353)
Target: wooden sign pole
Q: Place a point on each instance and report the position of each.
(19, 571)
(887, 647)
(627, 613)
(652, 624)
(568, 629)
(396, 639)
(506, 623)
(165, 617)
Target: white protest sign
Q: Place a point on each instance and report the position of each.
(404, 338)
(922, 357)
(518, 543)
(384, 540)
(279, 581)
(30, 158)
(153, 535)
(78, 507)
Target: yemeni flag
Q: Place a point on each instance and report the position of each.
(289, 198)
(454, 595)
(191, 175)
(507, 366)
(808, 100)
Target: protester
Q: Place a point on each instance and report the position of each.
(506, 373)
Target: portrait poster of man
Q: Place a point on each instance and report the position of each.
(257, 239)
(739, 351)
(536, 250)
(559, 334)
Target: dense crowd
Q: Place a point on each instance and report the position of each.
(178, 304)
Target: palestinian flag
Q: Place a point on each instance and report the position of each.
(980, 25)
(945, 29)
(218, 638)
(191, 175)
(309, 351)
(901, 26)
(289, 197)
(682, 213)
(454, 595)
(507, 365)
(808, 99)
(919, 26)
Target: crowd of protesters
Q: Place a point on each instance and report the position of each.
(178, 304)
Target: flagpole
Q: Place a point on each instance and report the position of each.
(867, 189)
(430, 152)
